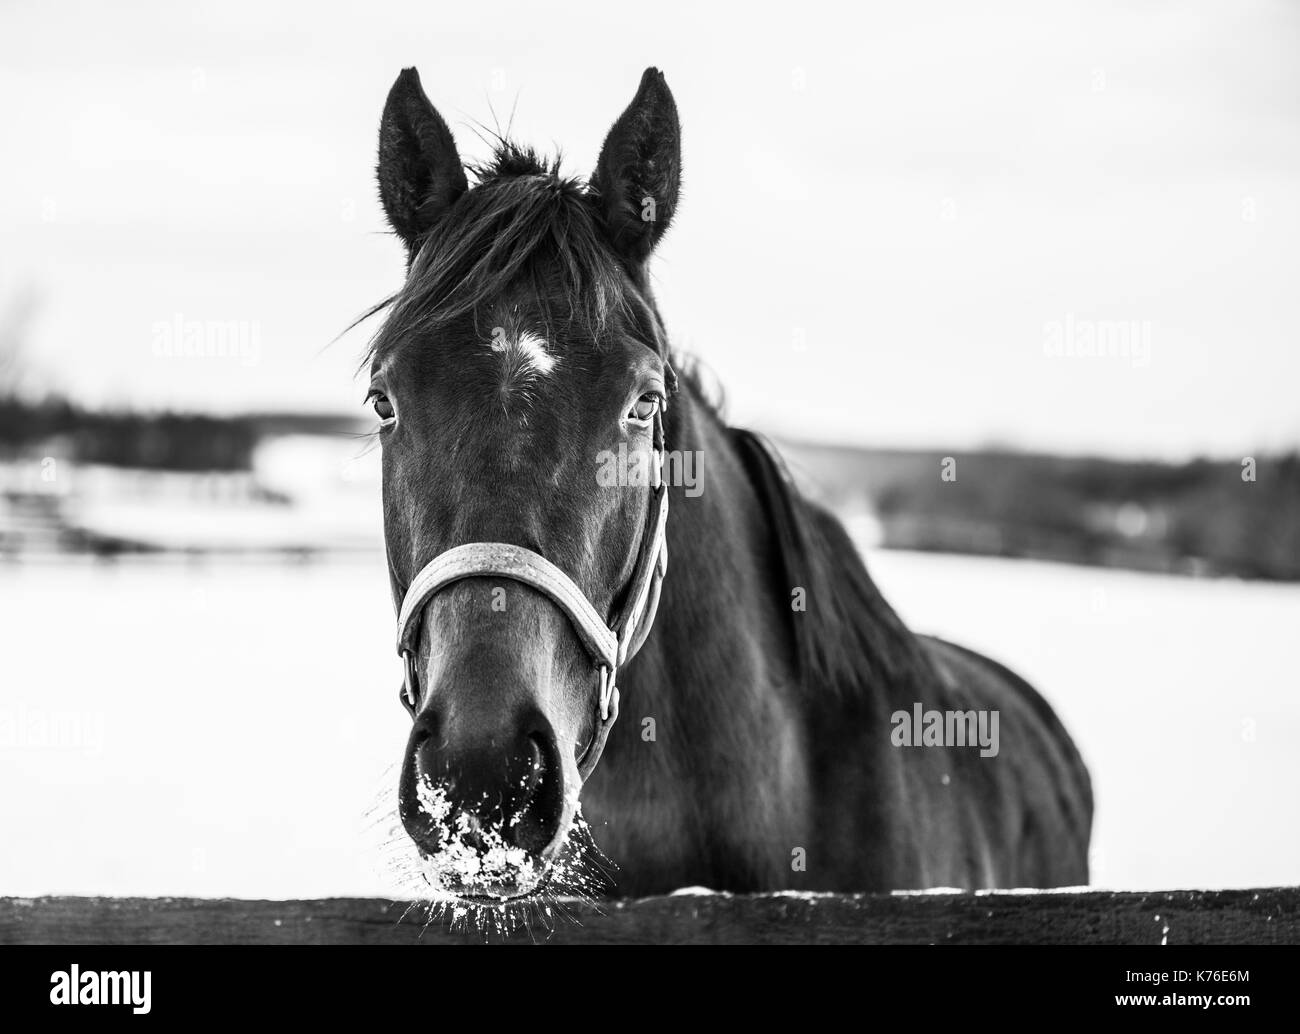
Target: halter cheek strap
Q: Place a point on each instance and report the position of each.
(609, 646)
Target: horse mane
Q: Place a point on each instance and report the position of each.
(520, 223)
(850, 639)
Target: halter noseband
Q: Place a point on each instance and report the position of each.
(610, 646)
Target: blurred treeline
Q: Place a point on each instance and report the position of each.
(167, 441)
(142, 440)
(1200, 517)
(36, 421)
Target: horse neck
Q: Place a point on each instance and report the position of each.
(740, 548)
(718, 588)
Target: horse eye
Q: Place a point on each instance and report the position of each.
(383, 408)
(644, 408)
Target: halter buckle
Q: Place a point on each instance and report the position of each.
(607, 688)
(408, 681)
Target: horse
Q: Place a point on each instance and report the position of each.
(530, 410)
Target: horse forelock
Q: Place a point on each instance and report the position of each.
(523, 230)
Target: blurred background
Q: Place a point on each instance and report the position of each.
(1049, 249)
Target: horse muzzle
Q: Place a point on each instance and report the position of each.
(487, 812)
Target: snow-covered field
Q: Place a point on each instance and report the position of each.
(221, 728)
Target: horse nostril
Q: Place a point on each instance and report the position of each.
(475, 795)
(540, 800)
(423, 744)
(536, 773)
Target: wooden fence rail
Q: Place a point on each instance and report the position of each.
(1265, 916)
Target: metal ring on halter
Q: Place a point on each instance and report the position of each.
(610, 646)
(408, 680)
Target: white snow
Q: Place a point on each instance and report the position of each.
(223, 728)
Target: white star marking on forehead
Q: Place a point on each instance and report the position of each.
(534, 353)
(525, 355)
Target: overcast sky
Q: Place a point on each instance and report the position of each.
(894, 214)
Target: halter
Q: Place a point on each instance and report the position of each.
(610, 646)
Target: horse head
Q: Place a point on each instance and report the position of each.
(523, 352)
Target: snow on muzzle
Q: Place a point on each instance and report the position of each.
(486, 814)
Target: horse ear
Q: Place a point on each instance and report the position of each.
(420, 173)
(639, 170)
